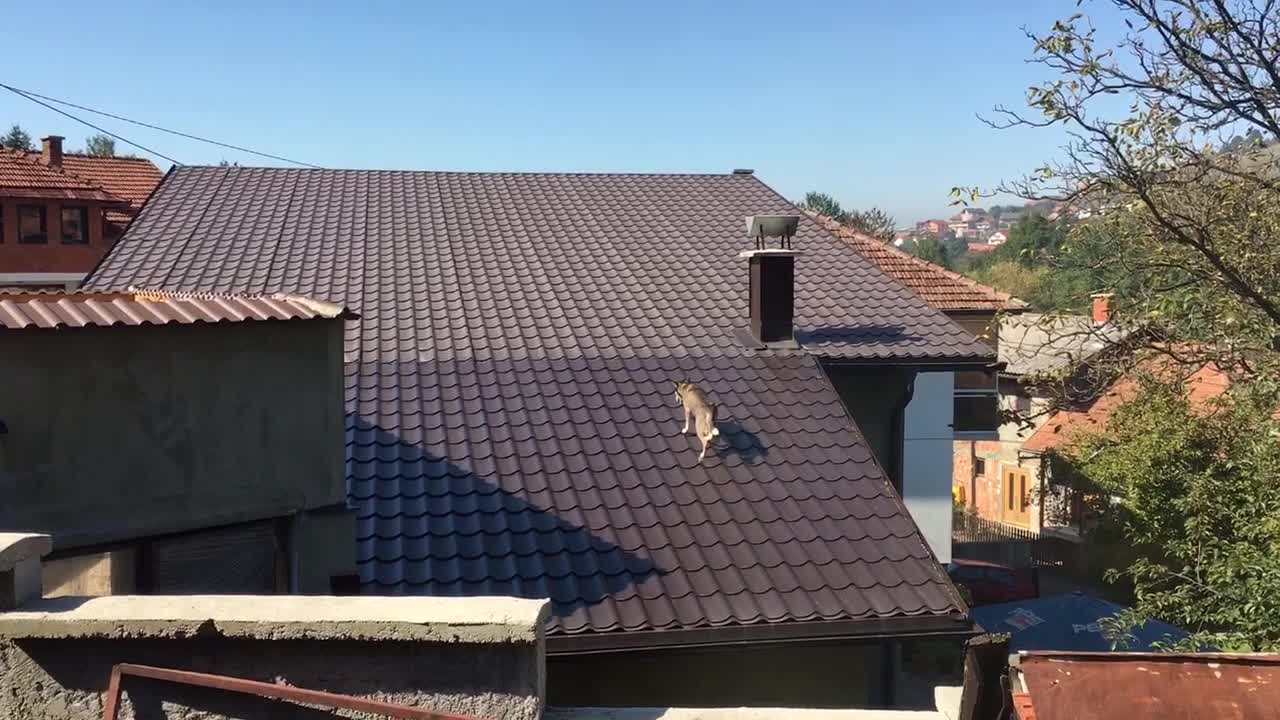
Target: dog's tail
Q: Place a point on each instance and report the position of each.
(715, 431)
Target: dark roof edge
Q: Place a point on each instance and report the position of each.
(786, 632)
(983, 363)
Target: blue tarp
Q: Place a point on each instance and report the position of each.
(1066, 622)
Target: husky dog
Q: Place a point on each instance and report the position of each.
(698, 408)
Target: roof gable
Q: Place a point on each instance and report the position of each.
(510, 422)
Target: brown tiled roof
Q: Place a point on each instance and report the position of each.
(943, 289)
(511, 426)
(48, 310)
(22, 177)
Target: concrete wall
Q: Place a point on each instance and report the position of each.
(123, 432)
(926, 458)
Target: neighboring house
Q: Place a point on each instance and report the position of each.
(1001, 480)
(940, 228)
(512, 430)
(1061, 508)
(997, 238)
(176, 444)
(980, 247)
(61, 212)
(973, 306)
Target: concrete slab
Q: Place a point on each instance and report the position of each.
(281, 617)
(16, 547)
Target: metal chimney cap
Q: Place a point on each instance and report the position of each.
(772, 225)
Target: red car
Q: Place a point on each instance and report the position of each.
(989, 583)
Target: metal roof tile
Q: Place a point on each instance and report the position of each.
(511, 424)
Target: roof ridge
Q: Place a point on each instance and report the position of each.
(495, 173)
(30, 158)
(845, 233)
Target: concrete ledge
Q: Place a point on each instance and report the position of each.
(586, 713)
(447, 620)
(16, 547)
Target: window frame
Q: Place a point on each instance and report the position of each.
(979, 467)
(967, 391)
(83, 211)
(43, 212)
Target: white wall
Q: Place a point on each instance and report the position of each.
(926, 458)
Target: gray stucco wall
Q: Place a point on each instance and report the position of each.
(481, 657)
(65, 679)
(124, 432)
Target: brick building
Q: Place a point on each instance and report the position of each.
(61, 212)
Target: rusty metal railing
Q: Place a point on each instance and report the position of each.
(271, 691)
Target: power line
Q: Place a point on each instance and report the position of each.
(144, 148)
(34, 95)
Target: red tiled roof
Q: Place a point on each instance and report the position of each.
(938, 286)
(980, 247)
(20, 176)
(1066, 426)
(510, 429)
(130, 178)
(47, 310)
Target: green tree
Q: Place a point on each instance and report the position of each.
(874, 222)
(100, 146)
(1169, 179)
(928, 247)
(16, 139)
(824, 204)
(1199, 502)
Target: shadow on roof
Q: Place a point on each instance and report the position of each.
(737, 440)
(854, 334)
(450, 532)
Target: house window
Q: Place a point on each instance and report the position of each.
(32, 224)
(979, 466)
(1, 222)
(75, 225)
(976, 404)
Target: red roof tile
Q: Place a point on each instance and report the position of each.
(130, 178)
(943, 289)
(1066, 426)
(21, 176)
(49, 310)
(510, 425)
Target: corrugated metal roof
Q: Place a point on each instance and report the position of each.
(47, 310)
(1145, 686)
(511, 428)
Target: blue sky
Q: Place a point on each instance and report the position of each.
(873, 102)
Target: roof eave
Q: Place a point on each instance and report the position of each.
(955, 624)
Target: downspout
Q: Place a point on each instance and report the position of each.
(896, 445)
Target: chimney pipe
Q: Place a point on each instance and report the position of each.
(51, 151)
(1101, 308)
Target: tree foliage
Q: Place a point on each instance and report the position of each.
(100, 146)
(928, 247)
(874, 222)
(1169, 178)
(1198, 499)
(16, 139)
(824, 204)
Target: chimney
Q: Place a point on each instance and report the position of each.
(1101, 308)
(772, 278)
(51, 151)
